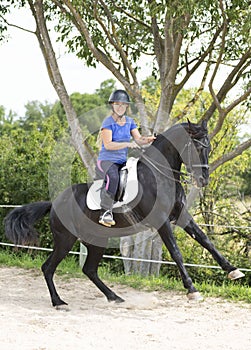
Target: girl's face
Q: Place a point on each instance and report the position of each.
(120, 108)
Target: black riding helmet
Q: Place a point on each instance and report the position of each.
(119, 96)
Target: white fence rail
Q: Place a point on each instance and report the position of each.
(83, 252)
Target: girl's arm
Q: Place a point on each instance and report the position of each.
(141, 140)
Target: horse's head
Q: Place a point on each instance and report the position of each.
(196, 151)
(186, 143)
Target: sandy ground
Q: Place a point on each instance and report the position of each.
(146, 320)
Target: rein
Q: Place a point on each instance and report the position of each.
(156, 164)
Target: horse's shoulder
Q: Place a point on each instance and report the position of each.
(80, 188)
(82, 185)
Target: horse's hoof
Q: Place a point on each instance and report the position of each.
(62, 307)
(119, 300)
(116, 300)
(195, 296)
(235, 274)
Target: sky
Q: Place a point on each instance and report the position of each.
(23, 73)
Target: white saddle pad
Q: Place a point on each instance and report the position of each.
(131, 190)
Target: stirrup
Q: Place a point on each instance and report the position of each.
(106, 219)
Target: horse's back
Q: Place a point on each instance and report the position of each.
(71, 212)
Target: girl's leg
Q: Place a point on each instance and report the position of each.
(110, 172)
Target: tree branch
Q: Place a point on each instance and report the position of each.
(16, 26)
(231, 155)
(117, 44)
(157, 40)
(199, 60)
(228, 84)
(196, 96)
(129, 15)
(222, 112)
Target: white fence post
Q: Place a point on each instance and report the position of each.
(82, 255)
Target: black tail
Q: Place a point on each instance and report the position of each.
(19, 222)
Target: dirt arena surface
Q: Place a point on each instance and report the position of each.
(155, 320)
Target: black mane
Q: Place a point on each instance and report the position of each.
(195, 131)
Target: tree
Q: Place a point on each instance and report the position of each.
(181, 38)
(36, 112)
(105, 89)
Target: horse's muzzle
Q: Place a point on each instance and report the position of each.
(201, 181)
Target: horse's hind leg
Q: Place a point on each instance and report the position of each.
(90, 269)
(63, 243)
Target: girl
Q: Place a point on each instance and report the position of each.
(116, 133)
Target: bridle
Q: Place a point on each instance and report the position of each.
(188, 145)
(157, 165)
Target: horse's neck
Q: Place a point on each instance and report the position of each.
(173, 145)
(172, 156)
(165, 154)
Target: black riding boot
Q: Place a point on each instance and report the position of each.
(106, 217)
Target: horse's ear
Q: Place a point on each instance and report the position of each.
(189, 124)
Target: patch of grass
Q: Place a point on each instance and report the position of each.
(232, 290)
(150, 283)
(19, 259)
(35, 260)
(69, 268)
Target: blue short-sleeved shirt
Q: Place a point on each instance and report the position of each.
(119, 134)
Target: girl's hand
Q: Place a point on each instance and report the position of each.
(144, 140)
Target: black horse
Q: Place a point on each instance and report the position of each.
(160, 201)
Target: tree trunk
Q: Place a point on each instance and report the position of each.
(58, 84)
(146, 245)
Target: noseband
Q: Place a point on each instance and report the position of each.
(188, 146)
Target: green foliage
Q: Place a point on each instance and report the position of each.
(7, 121)
(105, 89)
(36, 112)
(97, 20)
(25, 154)
(25, 158)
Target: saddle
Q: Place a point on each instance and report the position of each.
(127, 189)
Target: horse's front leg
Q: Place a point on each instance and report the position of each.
(169, 240)
(195, 232)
